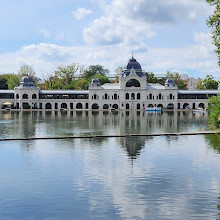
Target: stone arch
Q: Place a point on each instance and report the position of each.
(127, 96)
(150, 106)
(34, 96)
(105, 106)
(64, 105)
(201, 105)
(79, 106)
(170, 106)
(138, 96)
(160, 106)
(48, 106)
(133, 82)
(185, 105)
(115, 96)
(17, 96)
(25, 96)
(115, 106)
(127, 106)
(95, 106)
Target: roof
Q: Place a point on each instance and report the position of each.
(111, 86)
(152, 86)
(6, 91)
(198, 91)
(64, 92)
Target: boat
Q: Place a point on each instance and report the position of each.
(153, 109)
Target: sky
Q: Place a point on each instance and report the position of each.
(163, 35)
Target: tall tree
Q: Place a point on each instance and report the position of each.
(199, 85)
(3, 82)
(214, 22)
(118, 72)
(210, 83)
(26, 70)
(151, 78)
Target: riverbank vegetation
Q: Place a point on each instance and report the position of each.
(214, 108)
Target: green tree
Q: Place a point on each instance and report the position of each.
(199, 85)
(210, 83)
(214, 22)
(151, 78)
(177, 79)
(13, 81)
(3, 82)
(214, 108)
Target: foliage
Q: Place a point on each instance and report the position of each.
(207, 83)
(214, 107)
(118, 72)
(151, 78)
(13, 81)
(214, 22)
(3, 82)
(26, 70)
(210, 83)
(199, 85)
(64, 77)
(177, 79)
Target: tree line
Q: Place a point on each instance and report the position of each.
(74, 76)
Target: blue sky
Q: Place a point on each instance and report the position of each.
(164, 35)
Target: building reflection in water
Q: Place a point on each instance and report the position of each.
(87, 123)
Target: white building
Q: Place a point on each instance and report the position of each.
(132, 92)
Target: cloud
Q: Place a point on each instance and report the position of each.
(80, 13)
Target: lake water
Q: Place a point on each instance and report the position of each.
(108, 178)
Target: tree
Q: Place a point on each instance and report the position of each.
(210, 83)
(177, 79)
(214, 22)
(214, 107)
(3, 82)
(118, 72)
(151, 78)
(13, 81)
(26, 70)
(199, 85)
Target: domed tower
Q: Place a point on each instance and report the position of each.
(26, 81)
(132, 65)
(132, 76)
(170, 84)
(95, 82)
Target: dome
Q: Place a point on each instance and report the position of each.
(169, 82)
(133, 64)
(95, 82)
(27, 81)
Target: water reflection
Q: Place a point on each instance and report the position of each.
(84, 123)
(214, 142)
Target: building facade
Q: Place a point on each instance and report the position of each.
(131, 93)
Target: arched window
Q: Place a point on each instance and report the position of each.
(171, 96)
(132, 96)
(64, 105)
(160, 96)
(17, 96)
(138, 96)
(34, 96)
(127, 96)
(133, 82)
(150, 96)
(48, 106)
(79, 106)
(95, 96)
(105, 106)
(127, 106)
(95, 106)
(25, 96)
(138, 106)
(115, 106)
(115, 96)
(106, 96)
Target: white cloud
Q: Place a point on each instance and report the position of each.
(80, 13)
